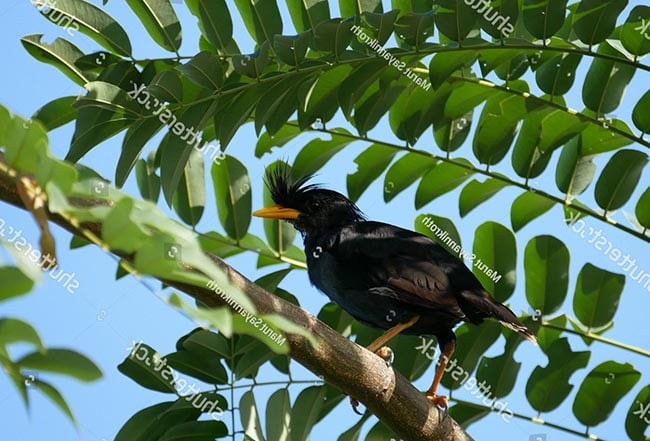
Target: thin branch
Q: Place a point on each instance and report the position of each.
(490, 174)
(597, 337)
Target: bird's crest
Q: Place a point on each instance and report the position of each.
(283, 187)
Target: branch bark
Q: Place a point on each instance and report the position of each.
(339, 361)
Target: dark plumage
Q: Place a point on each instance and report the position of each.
(382, 275)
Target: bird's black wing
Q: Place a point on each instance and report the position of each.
(408, 265)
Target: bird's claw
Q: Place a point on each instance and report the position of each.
(355, 403)
(387, 354)
(439, 400)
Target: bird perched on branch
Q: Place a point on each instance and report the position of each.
(384, 276)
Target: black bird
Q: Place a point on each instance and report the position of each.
(384, 276)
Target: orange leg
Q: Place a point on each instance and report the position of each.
(447, 351)
(390, 334)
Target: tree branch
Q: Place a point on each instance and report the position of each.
(339, 361)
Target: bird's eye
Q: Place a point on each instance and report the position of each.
(314, 206)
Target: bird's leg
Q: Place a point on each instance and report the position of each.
(447, 350)
(377, 346)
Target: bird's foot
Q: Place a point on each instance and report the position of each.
(355, 403)
(438, 400)
(387, 354)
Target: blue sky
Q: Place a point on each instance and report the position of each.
(103, 317)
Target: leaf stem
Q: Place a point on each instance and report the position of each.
(597, 337)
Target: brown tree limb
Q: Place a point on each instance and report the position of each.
(339, 361)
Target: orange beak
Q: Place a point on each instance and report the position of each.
(277, 212)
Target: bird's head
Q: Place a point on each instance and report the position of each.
(310, 208)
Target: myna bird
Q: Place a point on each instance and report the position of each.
(384, 276)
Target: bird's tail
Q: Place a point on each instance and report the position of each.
(486, 306)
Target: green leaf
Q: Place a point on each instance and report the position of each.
(574, 172)
(206, 344)
(358, 82)
(204, 69)
(261, 18)
(450, 134)
(92, 126)
(352, 434)
(250, 417)
(196, 431)
(307, 14)
(15, 330)
(472, 343)
(148, 181)
(278, 416)
(55, 396)
(475, 193)
(134, 141)
(189, 199)
(404, 172)
(110, 97)
(62, 361)
(544, 18)
(594, 20)
(267, 141)
(13, 282)
(318, 100)
(495, 257)
(500, 372)
(179, 142)
(60, 53)
(208, 370)
(371, 163)
(291, 50)
(152, 422)
(443, 64)
(79, 15)
(442, 230)
(146, 367)
(379, 432)
(318, 152)
(441, 179)
(214, 21)
(160, 21)
(606, 80)
(167, 86)
(635, 426)
(641, 113)
(601, 391)
(252, 65)
(619, 178)
(229, 118)
(556, 75)
(498, 125)
(232, 190)
(642, 210)
(634, 32)
(455, 19)
(597, 139)
(597, 294)
(549, 386)
(305, 412)
(379, 26)
(546, 265)
(465, 414)
(56, 113)
(527, 207)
